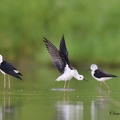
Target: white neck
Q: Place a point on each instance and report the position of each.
(1, 59)
(92, 73)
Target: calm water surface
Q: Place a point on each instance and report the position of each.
(39, 97)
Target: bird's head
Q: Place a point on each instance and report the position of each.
(80, 77)
(93, 67)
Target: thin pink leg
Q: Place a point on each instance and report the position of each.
(107, 86)
(69, 85)
(64, 85)
(100, 84)
(8, 84)
(4, 85)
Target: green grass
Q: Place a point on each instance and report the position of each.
(91, 29)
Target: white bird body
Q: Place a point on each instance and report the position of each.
(69, 74)
(61, 61)
(100, 79)
(100, 75)
(7, 68)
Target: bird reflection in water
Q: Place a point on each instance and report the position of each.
(67, 110)
(6, 108)
(7, 112)
(99, 108)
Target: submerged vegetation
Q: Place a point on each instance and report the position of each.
(91, 29)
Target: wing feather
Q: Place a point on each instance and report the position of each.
(9, 69)
(99, 74)
(55, 55)
(63, 49)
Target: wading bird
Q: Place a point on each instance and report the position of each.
(7, 68)
(61, 62)
(100, 75)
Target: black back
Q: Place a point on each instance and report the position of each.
(9, 69)
(99, 74)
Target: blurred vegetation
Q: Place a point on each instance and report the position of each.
(91, 29)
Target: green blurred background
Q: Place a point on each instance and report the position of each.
(92, 32)
(91, 29)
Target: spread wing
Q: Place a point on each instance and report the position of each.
(99, 74)
(56, 56)
(63, 49)
(9, 69)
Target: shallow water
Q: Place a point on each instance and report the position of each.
(42, 98)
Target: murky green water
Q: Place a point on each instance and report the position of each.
(39, 97)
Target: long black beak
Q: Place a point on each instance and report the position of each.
(85, 80)
(88, 69)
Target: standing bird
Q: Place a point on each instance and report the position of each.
(61, 62)
(7, 68)
(100, 75)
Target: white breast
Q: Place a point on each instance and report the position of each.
(67, 75)
(2, 72)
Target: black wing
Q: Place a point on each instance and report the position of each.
(55, 55)
(17, 70)
(9, 69)
(99, 74)
(63, 49)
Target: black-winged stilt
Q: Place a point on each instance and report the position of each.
(7, 68)
(100, 75)
(61, 62)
